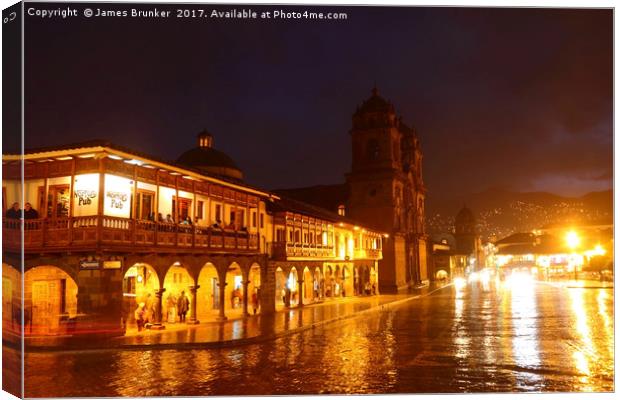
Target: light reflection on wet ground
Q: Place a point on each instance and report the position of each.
(500, 338)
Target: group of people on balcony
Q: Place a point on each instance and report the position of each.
(16, 213)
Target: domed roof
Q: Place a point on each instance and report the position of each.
(465, 216)
(375, 104)
(204, 157)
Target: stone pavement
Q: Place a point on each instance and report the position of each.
(237, 332)
(582, 283)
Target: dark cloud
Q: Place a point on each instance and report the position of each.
(515, 98)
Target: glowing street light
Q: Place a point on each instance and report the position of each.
(572, 241)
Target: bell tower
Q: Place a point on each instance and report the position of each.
(384, 189)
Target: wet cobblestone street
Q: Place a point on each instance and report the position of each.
(498, 338)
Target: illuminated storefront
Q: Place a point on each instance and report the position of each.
(116, 229)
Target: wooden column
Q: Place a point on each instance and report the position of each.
(101, 197)
(71, 201)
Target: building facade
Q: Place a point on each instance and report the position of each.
(387, 190)
(384, 190)
(112, 229)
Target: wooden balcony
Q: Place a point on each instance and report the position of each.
(283, 250)
(85, 233)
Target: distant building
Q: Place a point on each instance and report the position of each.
(442, 258)
(548, 253)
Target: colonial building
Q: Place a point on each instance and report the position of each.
(384, 190)
(114, 228)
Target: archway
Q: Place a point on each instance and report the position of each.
(365, 281)
(329, 282)
(208, 295)
(139, 286)
(308, 292)
(234, 290)
(291, 283)
(51, 299)
(373, 280)
(177, 282)
(11, 299)
(254, 289)
(337, 278)
(441, 275)
(280, 287)
(317, 284)
(347, 282)
(357, 281)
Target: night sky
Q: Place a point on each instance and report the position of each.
(519, 99)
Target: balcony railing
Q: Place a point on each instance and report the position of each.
(282, 250)
(57, 233)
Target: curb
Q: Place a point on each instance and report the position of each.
(226, 343)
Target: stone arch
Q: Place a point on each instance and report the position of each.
(337, 278)
(292, 283)
(308, 290)
(11, 299)
(329, 281)
(141, 281)
(442, 274)
(207, 296)
(318, 283)
(254, 286)
(178, 281)
(234, 287)
(347, 281)
(373, 280)
(61, 263)
(50, 299)
(280, 285)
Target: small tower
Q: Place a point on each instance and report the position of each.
(205, 139)
(468, 245)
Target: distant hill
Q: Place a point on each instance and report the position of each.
(502, 212)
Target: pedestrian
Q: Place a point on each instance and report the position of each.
(140, 316)
(29, 212)
(171, 305)
(287, 297)
(367, 289)
(182, 306)
(14, 212)
(255, 301)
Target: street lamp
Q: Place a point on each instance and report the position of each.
(572, 241)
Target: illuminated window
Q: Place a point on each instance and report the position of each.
(341, 210)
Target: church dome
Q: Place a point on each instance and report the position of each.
(465, 222)
(375, 112)
(209, 160)
(375, 104)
